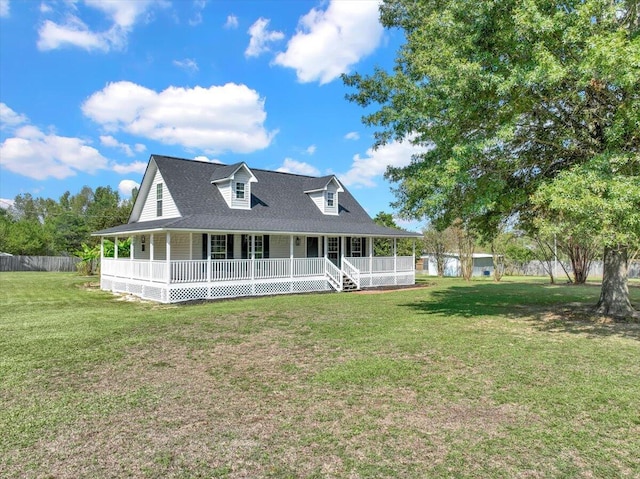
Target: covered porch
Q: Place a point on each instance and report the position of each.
(176, 266)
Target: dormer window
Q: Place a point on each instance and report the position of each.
(234, 184)
(324, 193)
(239, 190)
(330, 199)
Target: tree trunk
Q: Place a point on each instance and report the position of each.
(614, 296)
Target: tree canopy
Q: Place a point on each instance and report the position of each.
(44, 226)
(509, 95)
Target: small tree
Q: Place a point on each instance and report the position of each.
(384, 246)
(438, 244)
(602, 200)
(466, 243)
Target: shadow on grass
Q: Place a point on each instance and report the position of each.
(550, 308)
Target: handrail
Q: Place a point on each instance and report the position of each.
(333, 274)
(351, 271)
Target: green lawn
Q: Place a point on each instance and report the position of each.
(450, 380)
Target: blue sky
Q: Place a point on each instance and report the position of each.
(90, 88)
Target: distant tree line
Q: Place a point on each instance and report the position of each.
(46, 227)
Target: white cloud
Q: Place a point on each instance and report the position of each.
(198, 6)
(125, 187)
(328, 42)
(292, 166)
(232, 22)
(352, 135)
(123, 14)
(261, 38)
(4, 8)
(111, 142)
(139, 147)
(135, 167)
(6, 203)
(38, 155)
(74, 32)
(364, 170)
(311, 149)
(216, 119)
(9, 118)
(187, 64)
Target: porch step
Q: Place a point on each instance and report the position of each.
(348, 284)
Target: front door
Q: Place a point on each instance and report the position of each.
(333, 250)
(312, 247)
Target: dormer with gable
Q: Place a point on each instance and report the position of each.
(324, 193)
(234, 183)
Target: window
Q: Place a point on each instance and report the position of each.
(239, 191)
(159, 199)
(259, 247)
(356, 247)
(330, 199)
(218, 246)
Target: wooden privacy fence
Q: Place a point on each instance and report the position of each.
(39, 263)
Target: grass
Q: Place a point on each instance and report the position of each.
(451, 380)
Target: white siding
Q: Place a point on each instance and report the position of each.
(237, 246)
(225, 191)
(180, 246)
(149, 210)
(137, 247)
(279, 246)
(160, 246)
(318, 199)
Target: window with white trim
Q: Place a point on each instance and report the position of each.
(356, 247)
(258, 247)
(159, 199)
(330, 199)
(240, 190)
(218, 246)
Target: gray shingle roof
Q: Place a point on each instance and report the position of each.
(224, 171)
(315, 184)
(278, 204)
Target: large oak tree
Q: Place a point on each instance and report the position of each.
(510, 94)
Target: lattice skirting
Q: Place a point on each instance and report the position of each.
(181, 292)
(177, 293)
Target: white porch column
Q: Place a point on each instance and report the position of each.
(131, 248)
(168, 242)
(371, 257)
(208, 258)
(101, 248)
(414, 253)
(191, 246)
(291, 262)
(115, 248)
(325, 242)
(342, 249)
(395, 261)
(151, 247)
(253, 264)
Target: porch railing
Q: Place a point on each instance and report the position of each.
(351, 271)
(382, 264)
(201, 271)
